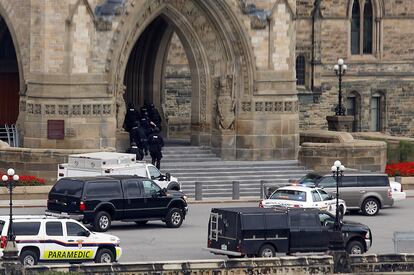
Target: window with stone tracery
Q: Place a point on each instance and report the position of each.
(362, 27)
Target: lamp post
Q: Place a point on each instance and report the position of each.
(337, 173)
(10, 253)
(340, 70)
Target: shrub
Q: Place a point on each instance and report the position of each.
(28, 180)
(405, 169)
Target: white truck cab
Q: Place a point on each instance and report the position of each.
(112, 163)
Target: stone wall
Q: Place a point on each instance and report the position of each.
(388, 70)
(320, 149)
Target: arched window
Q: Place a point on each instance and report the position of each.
(362, 27)
(355, 28)
(300, 70)
(368, 27)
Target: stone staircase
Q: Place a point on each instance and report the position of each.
(192, 164)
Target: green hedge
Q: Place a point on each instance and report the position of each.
(402, 151)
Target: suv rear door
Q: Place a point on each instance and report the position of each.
(375, 186)
(65, 196)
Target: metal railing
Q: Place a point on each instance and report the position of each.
(10, 134)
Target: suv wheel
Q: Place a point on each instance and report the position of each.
(174, 218)
(355, 247)
(370, 207)
(267, 251)
(29, 258)
(104, 256)
(102, 221)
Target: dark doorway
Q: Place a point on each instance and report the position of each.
(9, 78)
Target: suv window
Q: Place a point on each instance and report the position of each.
(150, 187)
(26, 228)
(68, 187)
(316, 196)
(325, 196)
(293, 195)
(326, 219)
(154, 172)
(372, 181)
(349, 181)
(327, 181)
(132, 189)
(74, 229)
(103, 189)
(54, 229)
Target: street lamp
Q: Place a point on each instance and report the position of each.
(337, 173)
(10, 252)
(340, 70)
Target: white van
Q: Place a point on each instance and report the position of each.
(45, 238)
(112, 163)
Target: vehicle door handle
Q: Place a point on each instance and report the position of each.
(362, 192)
(71, 241)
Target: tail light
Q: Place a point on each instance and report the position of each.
(296, 206)
(389, 193)
(239, 248)
(3, 241)
(261, 204)
(82, 206)
(402, 188)
(61, 174)
(61, 167)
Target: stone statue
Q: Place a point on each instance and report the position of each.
(120, 107)
(225, 103)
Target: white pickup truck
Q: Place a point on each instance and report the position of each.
(111, 163)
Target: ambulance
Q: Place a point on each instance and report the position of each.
(51, 239)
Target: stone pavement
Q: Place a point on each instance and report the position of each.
(42, 203)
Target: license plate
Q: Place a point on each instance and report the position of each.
(223, 247)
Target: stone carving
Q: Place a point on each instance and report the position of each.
(63, 110)
(96, 109)
(30, 108)
(86, 109)
(50, 109)
(76, 110)
(288, 106)
(106, 109)
(37, 109)
(279, 106)
(258, 17)
(268, 106)
(225, 103)
(120, 107)
(246, 106)
(104, 13)
(258, 106)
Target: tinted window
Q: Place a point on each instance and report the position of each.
(349, 181)
(327, 181)
(293, 195)
(315, 196)
(54, 229)
(103, 189)
(373, 181)
(326, 219)
(303, 219)
(74, 229)
(150, 187)
(325, 196)
(132, 189)
(26, 228)
(68, 187)
(154, 172)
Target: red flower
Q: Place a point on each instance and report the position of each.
(28, 180)
(400, 169)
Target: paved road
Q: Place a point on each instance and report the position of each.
(156, 242)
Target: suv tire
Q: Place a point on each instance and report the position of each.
(370, 207)
(104, 255)
(174, 218)
(29, 257)
(355, 248)
(266, 251)
(102, 221)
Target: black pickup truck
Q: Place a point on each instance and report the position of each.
(261, 232)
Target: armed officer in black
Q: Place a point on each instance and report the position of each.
(155, 143)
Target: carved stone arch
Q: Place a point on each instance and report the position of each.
(17, 42)
(377, 7)
(288, 6)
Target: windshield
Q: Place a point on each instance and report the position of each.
(293, 195)
(311, 177)
(324, 195)
(68, 187)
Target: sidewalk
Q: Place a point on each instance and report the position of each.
(42, 203)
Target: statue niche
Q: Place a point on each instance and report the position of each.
(120, 107)
(226, 105)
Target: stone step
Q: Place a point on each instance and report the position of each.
(169, 160)
(234, 169)
(221, 164)
(167, 156)
(223, 175)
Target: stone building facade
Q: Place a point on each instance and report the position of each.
(80, 61)
(376, 40)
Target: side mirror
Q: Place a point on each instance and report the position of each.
(168, 176)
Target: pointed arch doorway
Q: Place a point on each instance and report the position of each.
(9, 77)
(158, 72)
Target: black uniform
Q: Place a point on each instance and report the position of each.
(155, 144)
(154, 116)
(139, 136)
(131, 117)
(136, 150)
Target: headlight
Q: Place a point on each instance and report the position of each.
(367, 236)
(185, 197)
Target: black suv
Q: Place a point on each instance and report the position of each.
(100, 200)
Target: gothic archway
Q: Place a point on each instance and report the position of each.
(9, 77)
(214, 50)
